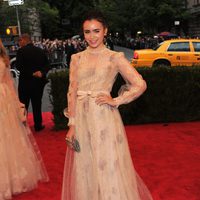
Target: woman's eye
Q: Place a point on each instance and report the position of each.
(86, 31)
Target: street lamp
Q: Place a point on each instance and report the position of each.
(18, 22)
(177, 26)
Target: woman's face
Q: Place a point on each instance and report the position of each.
(94, 33)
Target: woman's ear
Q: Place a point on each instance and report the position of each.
(105, 31)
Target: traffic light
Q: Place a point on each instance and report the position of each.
(8, 31)
(12, 30)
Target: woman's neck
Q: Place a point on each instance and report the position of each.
(96, 50)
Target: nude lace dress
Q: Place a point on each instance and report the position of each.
(103, 169)
(21, 164)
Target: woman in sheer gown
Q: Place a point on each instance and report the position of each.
(103, 168)
(21, 164)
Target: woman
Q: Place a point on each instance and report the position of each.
(103, 168)
(21, 164)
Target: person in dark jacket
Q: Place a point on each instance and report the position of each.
(33, 65)
(70, 50)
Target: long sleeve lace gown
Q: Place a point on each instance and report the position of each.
(21, 165)
(103, 169)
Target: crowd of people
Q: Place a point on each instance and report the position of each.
(136, 43)
(60, 51)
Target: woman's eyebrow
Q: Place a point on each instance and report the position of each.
(96, 29)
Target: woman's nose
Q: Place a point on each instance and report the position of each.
(92, 35)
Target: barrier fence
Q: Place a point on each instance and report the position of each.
(57, 59)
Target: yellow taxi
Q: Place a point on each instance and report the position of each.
(175, 52)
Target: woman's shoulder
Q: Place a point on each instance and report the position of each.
(2, 63)
(115, 55)
(77, 55)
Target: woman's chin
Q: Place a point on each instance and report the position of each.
(93, 45)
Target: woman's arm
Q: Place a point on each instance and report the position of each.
(72, 91)
(135, 85)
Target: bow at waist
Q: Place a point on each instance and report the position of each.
(82, 94)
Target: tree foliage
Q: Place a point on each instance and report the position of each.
(5, 11)
(61, 18)
(156, 15)
(48, 16)
(49, 20)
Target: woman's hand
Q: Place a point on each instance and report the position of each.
(105, 99)
(71, 133)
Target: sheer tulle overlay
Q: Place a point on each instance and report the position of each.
(21, 164)
(103, 169)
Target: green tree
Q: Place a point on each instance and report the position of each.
(49, 16)
(62, 18)
(120, 15)
(6, 11)
(49, 21)
(156, 15)
(72, 12)
(149, 16)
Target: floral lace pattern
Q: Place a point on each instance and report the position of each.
(21, 164)
(103, 170)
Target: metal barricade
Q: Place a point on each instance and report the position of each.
(15, 74)
(57, 59)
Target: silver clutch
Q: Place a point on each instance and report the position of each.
(73, 143)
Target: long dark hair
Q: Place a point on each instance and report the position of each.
(95, 15)
(3, 54)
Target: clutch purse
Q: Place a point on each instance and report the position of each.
(73, 143)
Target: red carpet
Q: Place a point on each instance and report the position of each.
(167, 157)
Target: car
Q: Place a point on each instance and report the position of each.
(11, 48)
(174, 52)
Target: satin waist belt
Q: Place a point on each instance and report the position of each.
(82, 94)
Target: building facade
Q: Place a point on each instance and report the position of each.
(194, 22)
(34, 24)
